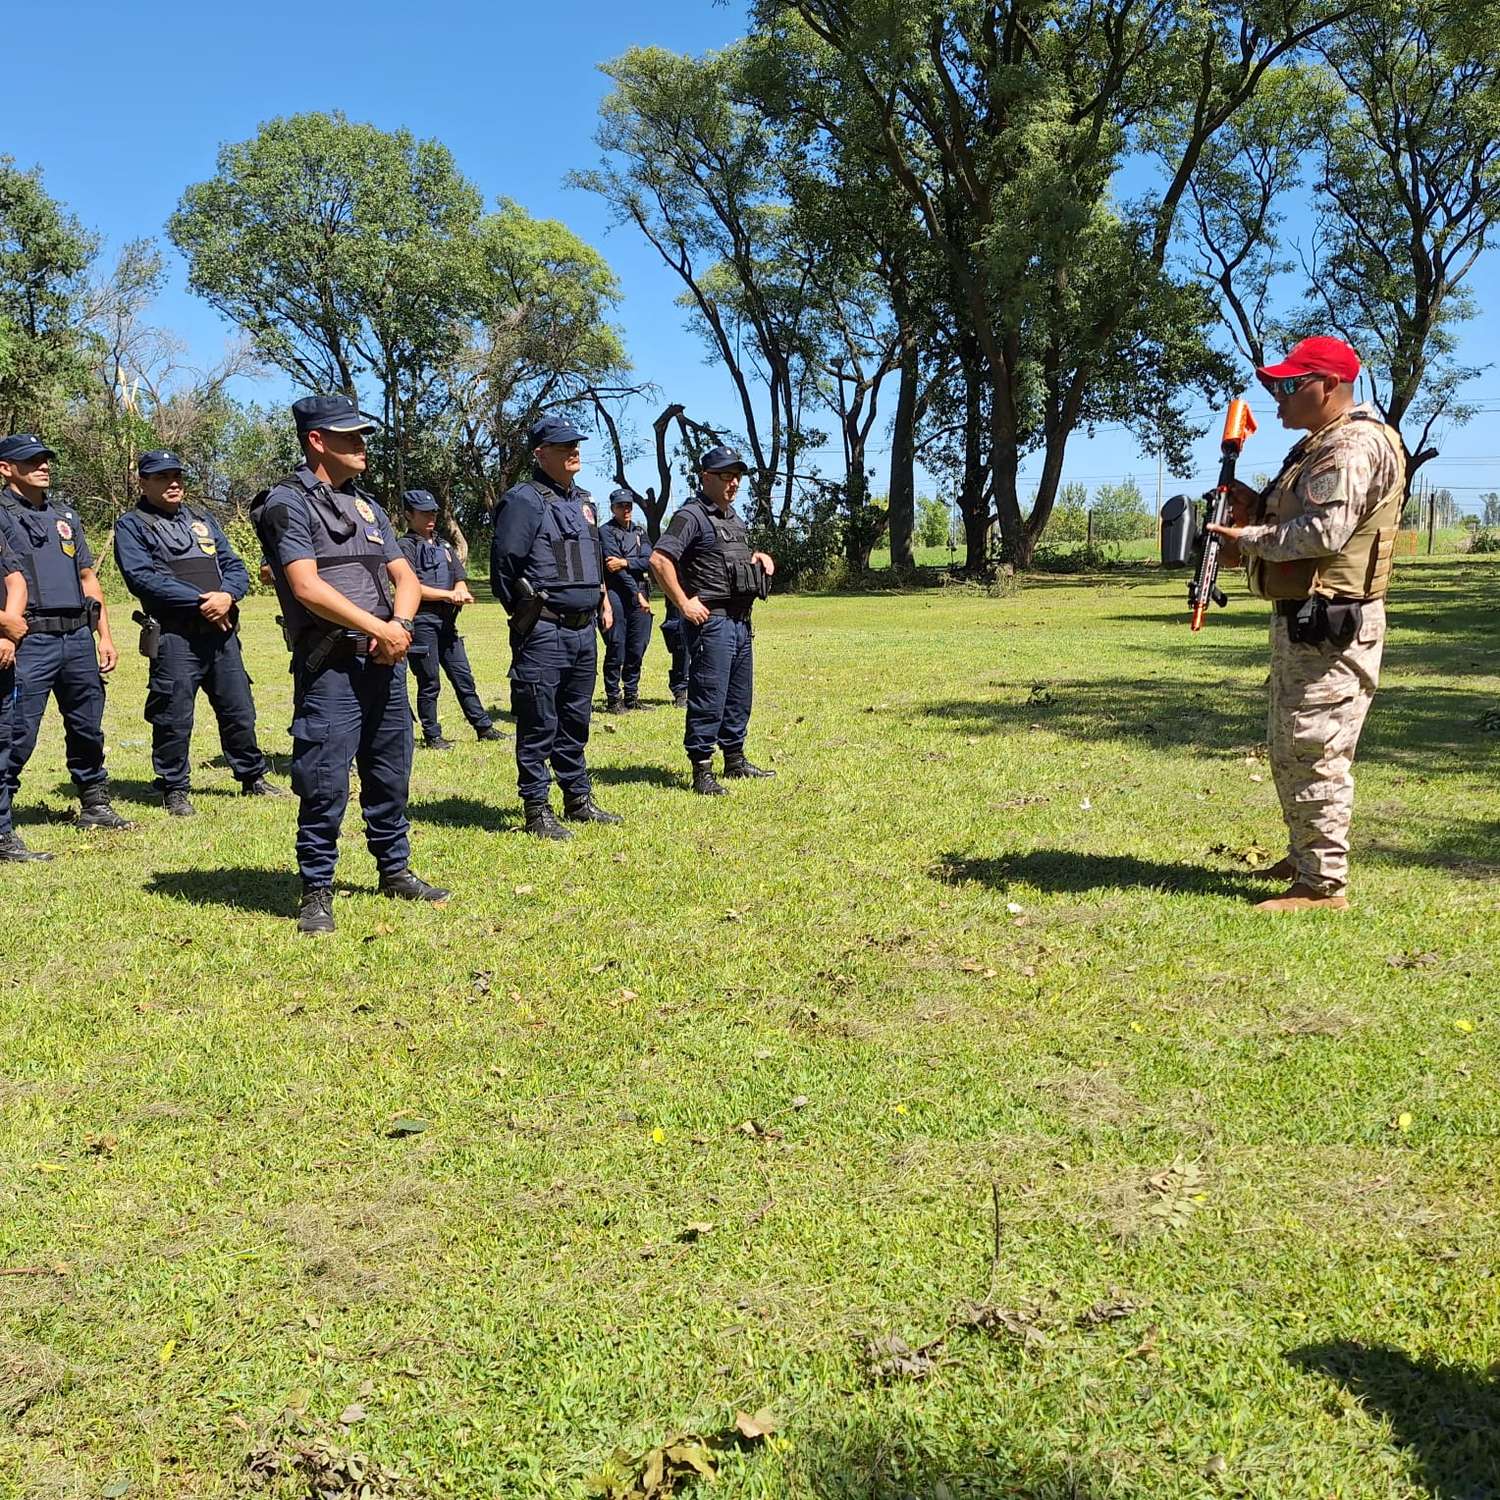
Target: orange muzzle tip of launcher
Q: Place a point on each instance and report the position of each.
(1239, 423)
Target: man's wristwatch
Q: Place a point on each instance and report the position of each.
(407, 625)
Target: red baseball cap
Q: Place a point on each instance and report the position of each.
(1315, 356)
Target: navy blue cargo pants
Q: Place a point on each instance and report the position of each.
(65, 667)
(445, 653)
(185, 662)
(721, 684)
(625, 645)
(552, 676)
(352, 711)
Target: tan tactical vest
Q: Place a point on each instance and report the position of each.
(1363, 569)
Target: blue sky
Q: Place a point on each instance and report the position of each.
(136, 100)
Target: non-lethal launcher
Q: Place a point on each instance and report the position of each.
(1239, 423)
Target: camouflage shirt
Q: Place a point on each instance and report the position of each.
(1351, 472)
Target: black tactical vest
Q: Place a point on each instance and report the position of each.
(198, 566)
(722, 571)
(47, 543)
(348, 547)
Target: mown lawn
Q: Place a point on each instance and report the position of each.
(713, 1102)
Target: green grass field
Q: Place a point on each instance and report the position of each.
(961, 1033)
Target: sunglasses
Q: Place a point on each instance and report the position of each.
(1289, 385)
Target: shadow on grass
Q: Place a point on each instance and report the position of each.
(1471, 849)
(1425, 727)
(1446, 1415)
(1064, 870)
(465, 812)
(275, 892)
(638, 776)
(904, 1462)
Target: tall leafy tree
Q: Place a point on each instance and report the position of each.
(692, 168)
(344, 251)
(1408, 194)
(1005, 124)
(45, 255)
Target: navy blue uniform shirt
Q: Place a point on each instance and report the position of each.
(436, 565)
(629, 542)
(146, 536)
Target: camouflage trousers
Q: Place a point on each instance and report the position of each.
(1319, 698)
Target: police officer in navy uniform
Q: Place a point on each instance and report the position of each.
(444, 592)
(677, 671)
(627, 573)
(547, 569)
(335, 559)
(12, 629)
(64, 613)
(707, 568)
(177, 561)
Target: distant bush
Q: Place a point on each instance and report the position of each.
(1485, 539)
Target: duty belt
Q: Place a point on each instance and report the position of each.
(64, 622)
(1288, 608)
(732, 611)
(569, 619)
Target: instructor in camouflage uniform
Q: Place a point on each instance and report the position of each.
(1318, 543)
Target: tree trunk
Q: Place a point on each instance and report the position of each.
(972, 503)
(903, 485)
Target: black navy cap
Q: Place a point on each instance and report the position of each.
(23, 445)
(158, 461)
(553, 430)
(329, 414)
(418, 500)
(622, 497)
(719, 460)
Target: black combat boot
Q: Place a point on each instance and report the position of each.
(585, 810)
(177, 803)
(705, 783)
(614, 705)
(489, 732)
(737, 767)
(96, 811)
(436, 742)
(260, 787)
(13, 851)
(635, 706)
(405, 886)
(542, 824)
(679, 700)
(316, 913)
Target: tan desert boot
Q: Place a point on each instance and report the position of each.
(1303, 898)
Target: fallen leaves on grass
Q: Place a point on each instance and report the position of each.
(1413, 960)
(328, 1471)
(1174, 1193)
(890, 1357)
(404, 1125)
(690, 1234)
(1023, 1323)
(663, 1471)
(1250, 855)
(1111, 1309)
(755, 1131)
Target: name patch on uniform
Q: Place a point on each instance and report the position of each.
(365, 513)
(65, 535)
(373, 535)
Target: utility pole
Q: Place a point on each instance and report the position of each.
(1431, 497)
